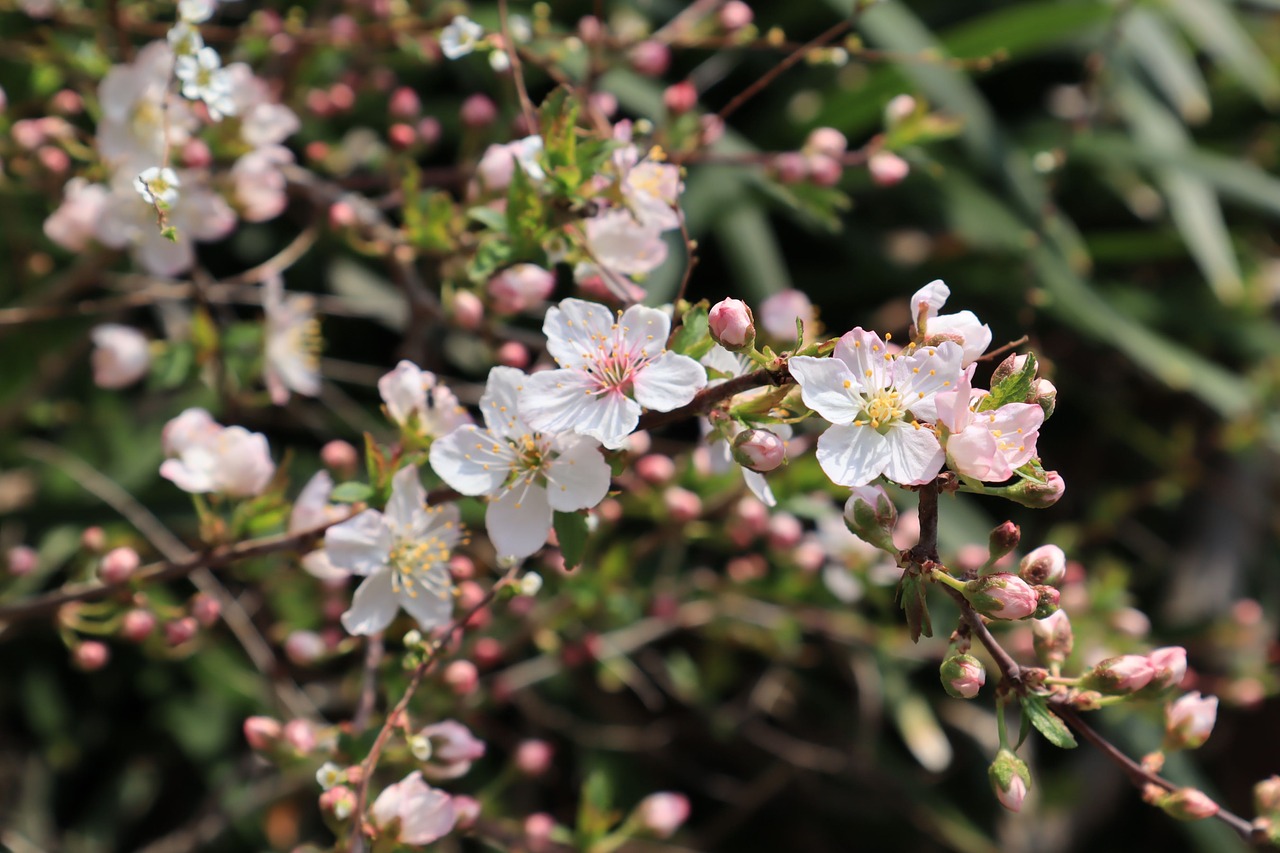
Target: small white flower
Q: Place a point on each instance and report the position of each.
(460, 37)
(420, 747)
(525, 474)
(312, 509)
(121, 355)
(158, 185)
(196, 11)
(329, 775)
(417, 402)
(499, 61)
(975, 336)
(185, 39)
(213, 458)
(611, 365)
(404, 554)
(204, 79)
(293, 343)
(531, 584)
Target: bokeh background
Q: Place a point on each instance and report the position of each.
(1109, 191)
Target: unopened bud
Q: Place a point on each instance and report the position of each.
(1188, 804)
(180, 631)
(962, 676)
(1169, 665)
(663, 813)
(1002, 596)
(680, 97)
(1189, 721)
(682, 505)
(137, 625)
(732, 325)
(118, 565)
(467, 810)
(1266, 796)
(300, 735)
(871, 516)
(304, 647)
(1119, 675)
(462, 677)
(1045, 565)
(537, 831)
(338, 801)
(206, 609)
(735, 15)
(22, 560)
(262, 733)
(887, 168)
(1045, 395)
(91, 655)
(468, 310)
(1035, 495)
(1047, 598)
(93, 539)
(1003, 540)
(656, 468)
(759, 450)
(340, 456)
(1010, 779)
(899, 110)
(1053, 638)
(1012, 364)
(533, 757)
(530, 584)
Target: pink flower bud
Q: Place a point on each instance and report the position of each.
(1037, 495)
(121, 355)
(488, 652)
(823, 170)
(118, 565)
(606, 103)
(261, 733)
(732, 325)
(341, 215)
(1169, 665)
(461, 567)
(1045, 565)
(462, 677)
(759, 450)
(682, 505)
(1045, 395)
(513, 354)
(180, 631)
(650, 58)
(826, 141)
(663, 813)
(304, 647)
(468, 310)
(749, 567)
(300, 735)
(791, 168)
(962, 676)
(537, 831)
(899, 109)
(887, 168)
(871, 516)
(1002, 596)
(22, 560)
(196, 154)
(533, 757)
(478, 111)
(1053, 638)
(93, 539)
(91, 655)
(1002, 540)
(735, 15)
(785, 531)
(680, 97)
(429, 130)
(206, 609)
(342, 97)
(781, 311)
(1010, 779)
(1189, 721)
(404, 103)
(1188, 804)
(520, 287)
(137, 625)
(339, 801)
(340, 456)
(467, 810)
(401, 136)
(656, 468)
(809, 555)
(343, 30)
(590, 29)
(1120, 675)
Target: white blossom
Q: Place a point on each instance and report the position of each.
(209, 457)
(310, 510)
(158, 185)
(973, 334)
(121, 355)
(204, 79)
(293, 343)
(416, 401)
(460, 37)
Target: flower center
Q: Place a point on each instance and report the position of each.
(884, 406)
(417, 566)
(614, 372)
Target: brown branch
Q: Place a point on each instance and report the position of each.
(999, 351)
(707, 398)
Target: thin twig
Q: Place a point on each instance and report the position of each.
(517, 70)
(707, 398)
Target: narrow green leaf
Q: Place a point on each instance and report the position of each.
(1047, 723)
(349, 493)
(1014, 388)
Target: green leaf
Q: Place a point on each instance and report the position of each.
(911, 596)
(1014, 388)
(349, 493)
(693, 338)
(571, 531)
(1046, 722)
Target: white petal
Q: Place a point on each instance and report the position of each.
(759, 487)
(312, 506)
(570, 327)
(934, 295)
(975, 334)
(852, 455)
(467, 461)
(579, 477)
(915, 457)
(644, 329)
(519, 521)
(431, 603)
(407, 505)
(403, 390)
(565, 401)
(500, 405)
(669, 382)
(360, 545)
(867, 357)
(925, 373)
(827, 386)
(372, 607)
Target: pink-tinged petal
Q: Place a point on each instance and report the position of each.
(500, 404)
(312, 506)
(759, 487)
(973, 453)
(952, 406)
(852, 455)
(915, 457)
(405, 509)
(431, 818)
(669, 382)
(471, 460)
(644, 330)
(1016, 428)
(867, 359)
(931, 298)
(579, 477)
(574, 330)
(925, 373)
(965, 325)
(519, 521)
(827, 386)
(372, 607)
(565, 401)
(360, 545)
(430, 601)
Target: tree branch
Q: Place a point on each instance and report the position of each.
(707, 398)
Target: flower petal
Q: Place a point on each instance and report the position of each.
(519, 521)
(429, 600)
(827, 386)
(669, 382)
(759, 487)
(467, 460)
(405, 508)
(915, 456)
(644, 329)
(579, 477)
(867, 357)
(500, 404)
(852, 455)
(572, 328)
(360, 545)
(373, 606)
(565, 401)
(927, 372)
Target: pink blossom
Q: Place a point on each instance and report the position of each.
(450, 747)
(987, 445)
(1002, 596)
(963, 326)
(118, 565)
(520, 287)
(121, 355)
(732, 325)
(413, 811)
(259, 184)
(617, 242)
(75, 221)
(1169, 664)
(663, 813)
(1189, 721)
(213, 458)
